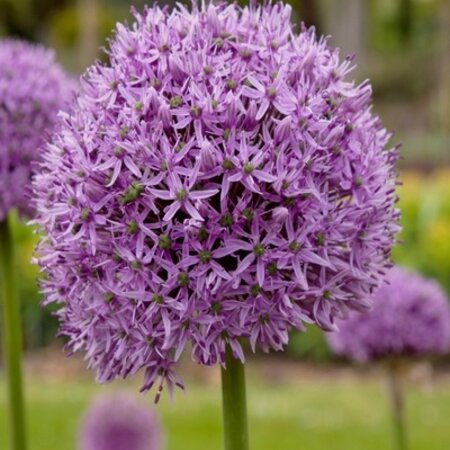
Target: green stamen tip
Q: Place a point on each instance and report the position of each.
(205, 256)
(263, 319)
(228, 164)
(132, 227)
(216, 307)
(358, 181)
(181, 194)
(179, 147)
(230, 84)
(218, 42)
(272, 268)
(164, 242)
(135, 265)
(258, 250)
(202, 234)
(183, 279)
(116, 258)
(85, 214)
(132, 193)
(118, 151)
(320, 239)
(248, 214)
(246, 53)
(255, 289)
(156, 83)
(272, 92)
(176, 101)
(248, 168)
(195, 111)
(226, 220)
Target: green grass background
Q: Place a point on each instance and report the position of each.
(313, 414)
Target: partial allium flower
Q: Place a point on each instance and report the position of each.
(411, 318)
(33, 88)
(120, 422)
(219, 179)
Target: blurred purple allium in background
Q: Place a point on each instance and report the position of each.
(120, 422)
(411, 318)
(33, 88)
(219, 179)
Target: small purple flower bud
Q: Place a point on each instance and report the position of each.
(250, 121)
(176, 70)
(280, 214)
(207, 158)
(165, 115)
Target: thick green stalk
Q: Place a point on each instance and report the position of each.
(397, 404)
(11, 339)
(234, 403)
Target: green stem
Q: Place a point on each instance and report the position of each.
(234, 403)
(12, 338)
(397, 405)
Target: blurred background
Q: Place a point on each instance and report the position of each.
(304, 398)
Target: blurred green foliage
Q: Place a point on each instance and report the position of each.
(64, 32)
(398, 24)
(38, 324)
(425, 205)
(309, 346)
(26, 18)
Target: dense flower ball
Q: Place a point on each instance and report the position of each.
(33, 88)
(119, 422)
(218, 179)
(411, 318)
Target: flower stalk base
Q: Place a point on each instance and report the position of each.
(234, 403)
(11, 339)
(396, 396)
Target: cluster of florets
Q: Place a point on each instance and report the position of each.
(33, 88)
(411, 318)
(120, 422)
(219, 179)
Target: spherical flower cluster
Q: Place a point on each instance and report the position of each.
(219, 179)
(33, 88)
(119, 422)
(411, 318)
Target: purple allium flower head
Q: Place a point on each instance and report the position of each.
(411, 318)
(219, 179)
(120, 422)
(33, 88)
